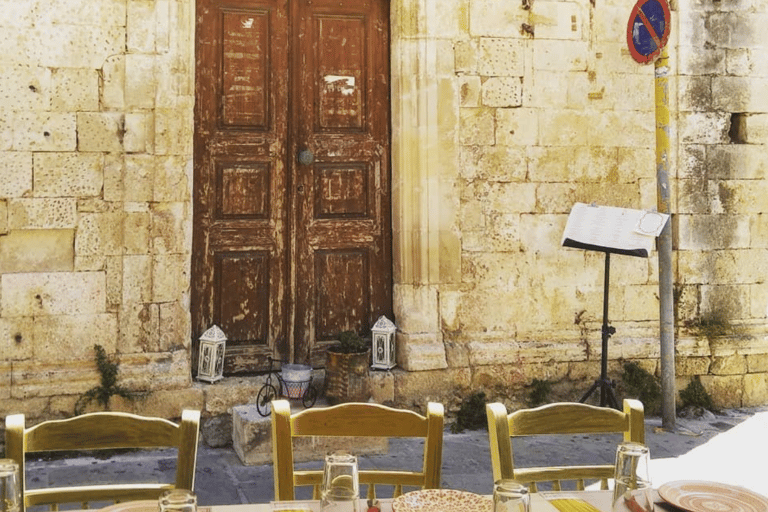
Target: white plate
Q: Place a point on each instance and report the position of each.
(441, 500)
(700, 496)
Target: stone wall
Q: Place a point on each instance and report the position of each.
(95, 214)
(504, 114)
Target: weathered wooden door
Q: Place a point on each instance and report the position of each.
(292, 236)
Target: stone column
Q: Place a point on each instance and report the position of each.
(426, 247)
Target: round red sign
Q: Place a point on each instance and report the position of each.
(648, 29)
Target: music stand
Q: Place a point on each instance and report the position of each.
(611, 230)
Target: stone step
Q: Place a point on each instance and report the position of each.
(252, 438)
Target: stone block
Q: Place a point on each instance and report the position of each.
(5, 380)
(561, 20)
(140, 81)
(560, 56)
(34, 379)
(496, 19)
(755, 389)
(252, 440)
(170, 277)
(141, 26)
(46, 213)
(52, 293)
(502, 92)
(156, 371)
(94, 43)
(139, 136)
(420, 352)
(100, 234)
(172, 180)
(174, 130)
(712, 232)
(167, 228)
(40, 250)
(695, 93)
(26, 88)
(136, 227)
(17, 338)
(728, 365)
(382, 387)
(222, 396)
(100, 131)
(564, 128)
(465, 56)
(75, 90)
(68, 174)
(168, 403)
(517, 127)
(689, 366)
(139, 327)
(469, 91)
(726, 391)
(113, 79)
(701, 60)
(137, 279)
(757, 363)
(140, 173)
(419, 313)
(16, 169)
(44, 131)
(704, 127)
(477, 126)
(176, 326)
(60, 338)
(500, 57)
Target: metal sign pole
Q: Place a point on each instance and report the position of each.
(666, 303)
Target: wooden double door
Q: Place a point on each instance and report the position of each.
(292, 231)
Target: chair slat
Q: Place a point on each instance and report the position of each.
(355, 420)
(559, 418)
(101, 431)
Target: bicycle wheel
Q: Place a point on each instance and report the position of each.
(309, 397)
(267, 393)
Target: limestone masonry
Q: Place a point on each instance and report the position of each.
(504, 114)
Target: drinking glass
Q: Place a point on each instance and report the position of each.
(10, 486)
(178, 500)
(341, 489)
(631, 471)
(510, 496)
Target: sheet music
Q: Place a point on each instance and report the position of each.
(612, 229)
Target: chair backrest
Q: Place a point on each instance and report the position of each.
(355, 420)
(103, 431)
(559, 418)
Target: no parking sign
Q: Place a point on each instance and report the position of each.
(648, 29)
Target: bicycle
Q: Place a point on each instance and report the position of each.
(269, 392)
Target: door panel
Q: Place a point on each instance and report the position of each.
(239, 264)
(343, 237)
(287, 254)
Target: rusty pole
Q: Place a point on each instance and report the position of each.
(666, 301)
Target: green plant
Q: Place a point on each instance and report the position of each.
(644, 386)
(471, 414)
(108, 387)
(695, 395)
(539, 393)
(351, 343)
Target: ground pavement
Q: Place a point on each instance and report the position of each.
(222, 479)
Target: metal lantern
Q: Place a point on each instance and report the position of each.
(383, 332)
(210, 364)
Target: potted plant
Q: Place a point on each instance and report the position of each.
(346, 369)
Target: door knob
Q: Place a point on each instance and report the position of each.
(306, 157)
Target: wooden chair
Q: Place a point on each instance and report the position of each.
(355, 419)
(559, 418)
(102, 431)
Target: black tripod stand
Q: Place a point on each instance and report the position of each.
(607, 395)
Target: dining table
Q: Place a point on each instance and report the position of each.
(540, 502)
